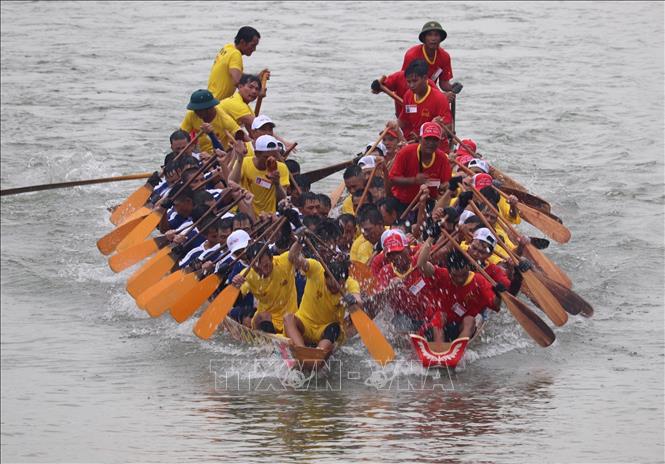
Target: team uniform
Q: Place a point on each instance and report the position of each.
(236, 107)
(256, 181)
(416, 112)
(397, 83)
(276, 293)
(220, 125)
(220, 82)
(320, 308)
(438, 68)
(361, 250)
(407, 164)
(458, 302)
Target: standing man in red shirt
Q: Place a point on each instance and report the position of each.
(423, 103)
(438, 60)
(419, 164)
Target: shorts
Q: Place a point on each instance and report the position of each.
(315, 332)
(238, 313)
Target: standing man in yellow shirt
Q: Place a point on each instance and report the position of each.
(266, 183)
(227, 69)
(203, 110)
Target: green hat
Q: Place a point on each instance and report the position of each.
(202, 99)
(432, 26)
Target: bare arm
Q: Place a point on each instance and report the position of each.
(423, 263)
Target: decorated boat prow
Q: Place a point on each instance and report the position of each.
(441, 354)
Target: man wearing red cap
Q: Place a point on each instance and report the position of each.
(414, 297)
(438, 60)
(418, 164)
(423, 103)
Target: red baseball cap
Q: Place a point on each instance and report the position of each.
(393, 133)
(464, 159)
(430, 129)
(393, 243)
(481, 180)
(468, 144)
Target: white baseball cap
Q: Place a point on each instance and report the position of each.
(266, 143)
(466, 214)
(391, 232)
(480, 164)
(261, 121)
(238, 240)
(381, 147)
(485, 235)
(367, 162)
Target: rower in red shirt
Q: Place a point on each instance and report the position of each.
(396, 82)
(413, 296)
(438, 60)
(465, 294)
(418, 164)
(423, 103)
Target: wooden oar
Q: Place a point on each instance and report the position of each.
(318, 174)
(543, 298)
(363, 197)
(569, 299)
(140, 196)
(149, 223)
(528, 199)
(548, 267)
(376, 343)
(188, 303)
(391, 94)
(109, 242)
(336, 195)
(259, 100)
(530, 322)
(102, 180)
(223, 303)
(132, 255)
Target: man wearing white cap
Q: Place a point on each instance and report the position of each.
(262, 175)
(244, 309)
(263, 125)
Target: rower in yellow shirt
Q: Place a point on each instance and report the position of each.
(254, 174)
(228, 67)
(203, 109)
(354, 181)
(272, 282)
(371, 228)
(320, 317)
(237, 105)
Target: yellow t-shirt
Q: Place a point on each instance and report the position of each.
(504, 211)
(257, 182)
(220, 125)
(347, 206)
(275, 293)
(236, 107)
(361, 250)
(220, 82)
(319, 307)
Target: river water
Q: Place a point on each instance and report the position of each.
(566, 97)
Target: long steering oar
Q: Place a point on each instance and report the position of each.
(187, 304)
(541, 295)
(217, 310)
(76, 183)
(530, 322)
(132, 255)
(376, 343)
(140, 196)
(318, 174)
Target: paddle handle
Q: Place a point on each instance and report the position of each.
(191, 179)
(273, 232)
(364, 195)
(259, 100)
(290, 149)
(410, 207)
(378, 141)
(469, 258)
(391, 94)
(101, 180)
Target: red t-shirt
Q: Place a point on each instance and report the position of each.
(418, 298)
(499, 276)
(407, 164)
(397, 83)
(468, 300)
(440, 68)
(415, 113)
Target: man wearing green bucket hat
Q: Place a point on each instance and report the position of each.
(204, 113)
(438, 60)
